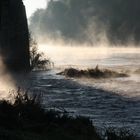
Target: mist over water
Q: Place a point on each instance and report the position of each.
(90, 21)
(107, 101)
(81, 34)
(121, 59)
(91, 56)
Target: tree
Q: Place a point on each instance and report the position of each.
(37, 60)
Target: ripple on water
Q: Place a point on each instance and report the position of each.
(103, 107)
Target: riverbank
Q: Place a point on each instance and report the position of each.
(105, 105)
(25, 119)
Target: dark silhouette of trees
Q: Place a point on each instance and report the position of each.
(69, 20)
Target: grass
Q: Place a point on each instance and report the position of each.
(92, 73)
(26, 119)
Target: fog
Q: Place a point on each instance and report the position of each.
(90, 56)
(7, 83)
(90, 22)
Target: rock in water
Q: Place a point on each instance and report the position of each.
(14, 35)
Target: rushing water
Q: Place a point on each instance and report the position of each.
(108, 102)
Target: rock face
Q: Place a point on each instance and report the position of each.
(14, 35)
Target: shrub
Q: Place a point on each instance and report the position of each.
(92, 73)
(26, 119)
(37, 60)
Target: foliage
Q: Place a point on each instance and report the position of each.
(27, 115)
(92, 73)
(75, 19)
(26, 119)
(37, 60)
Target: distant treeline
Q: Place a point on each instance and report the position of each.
(89, 21)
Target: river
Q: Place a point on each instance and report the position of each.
(108, 102)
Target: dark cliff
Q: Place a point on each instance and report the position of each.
(14, 35)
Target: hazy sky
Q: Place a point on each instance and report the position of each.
(32, 5)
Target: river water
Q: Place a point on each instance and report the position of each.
(108, 102)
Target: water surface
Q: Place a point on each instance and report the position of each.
(108, 102)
